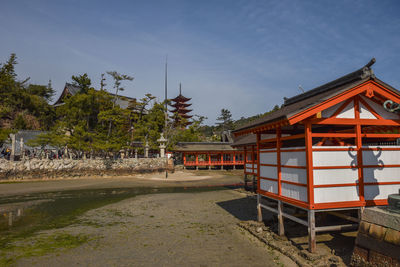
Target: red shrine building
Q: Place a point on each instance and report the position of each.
(333, 148)
(180, 111)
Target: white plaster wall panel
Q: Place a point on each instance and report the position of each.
(385, 157)
(268, 172)
(294, 175)
(372, 192)
(297, 158)
(249, 166)
(268, 158)
(335, 176)
(294, 191)
(381, 111)
(327, 113)
(269, 186)
(336, 194)
(365, 113)
(347, 112)
(386, 174)
(334, 158)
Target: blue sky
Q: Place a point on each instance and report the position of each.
(241, 55)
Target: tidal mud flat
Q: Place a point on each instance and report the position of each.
(141, 227)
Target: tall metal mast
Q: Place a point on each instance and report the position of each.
(166, 115)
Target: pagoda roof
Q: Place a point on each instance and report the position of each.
(180, 98)
(184, 111)
(179, 104)
(185, 116)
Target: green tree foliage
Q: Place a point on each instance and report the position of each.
(90, 120)
(243, 120)
(23, 105)
(190, 134)
(150, 124)
(82, 81)
(225, 120)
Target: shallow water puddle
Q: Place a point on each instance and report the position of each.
(23, 216)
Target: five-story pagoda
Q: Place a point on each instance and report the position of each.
(180, 111)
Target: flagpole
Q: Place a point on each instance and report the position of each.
(166, 115)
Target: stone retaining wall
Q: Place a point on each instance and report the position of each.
(38, 169)
(378, 239)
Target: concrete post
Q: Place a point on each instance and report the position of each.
(21, 147)
(135, 153)
(12, 156)
(146, 150)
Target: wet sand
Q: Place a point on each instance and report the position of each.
(181, 229)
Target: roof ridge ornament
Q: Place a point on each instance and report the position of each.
(367, 71)
(370, 63)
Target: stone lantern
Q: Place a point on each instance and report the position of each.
(163, 143)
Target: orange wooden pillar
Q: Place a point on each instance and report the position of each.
(234, 160)
(209, 160)
(197, 161)
(281, 229)
(245, 159)
(244, 167)
(258, 178)
(184, 160)
(312, 243)
(359, 150)
(222, 160)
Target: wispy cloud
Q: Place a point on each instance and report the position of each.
(241, 55)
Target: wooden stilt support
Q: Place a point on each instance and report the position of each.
(360, 212)
(245, 182)
(259, 212)
(254, 184)
(312, 242)
(281, 228)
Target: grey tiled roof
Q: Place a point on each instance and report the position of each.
(203, 146)
(122, 101)
(306, 100)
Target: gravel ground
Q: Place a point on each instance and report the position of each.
(180, 229)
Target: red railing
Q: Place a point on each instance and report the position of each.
(214, 162)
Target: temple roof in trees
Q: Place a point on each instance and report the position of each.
(70, 90)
